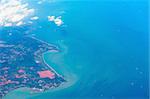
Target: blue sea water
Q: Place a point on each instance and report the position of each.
(104, 48)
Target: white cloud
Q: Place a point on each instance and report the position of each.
(51, 18)
(14, 12)
(57, 20)
(34, 18)
(42, 1)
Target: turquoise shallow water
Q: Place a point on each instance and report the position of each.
(104, 49)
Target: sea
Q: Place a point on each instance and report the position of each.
(103, 48)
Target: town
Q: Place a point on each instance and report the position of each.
(22, 64)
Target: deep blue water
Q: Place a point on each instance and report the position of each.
(104, 48)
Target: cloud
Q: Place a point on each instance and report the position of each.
(34, 18)
(14, 12)
(57, 20)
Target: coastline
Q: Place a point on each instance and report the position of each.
(27, 92)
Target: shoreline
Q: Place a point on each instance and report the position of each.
(27, 92)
